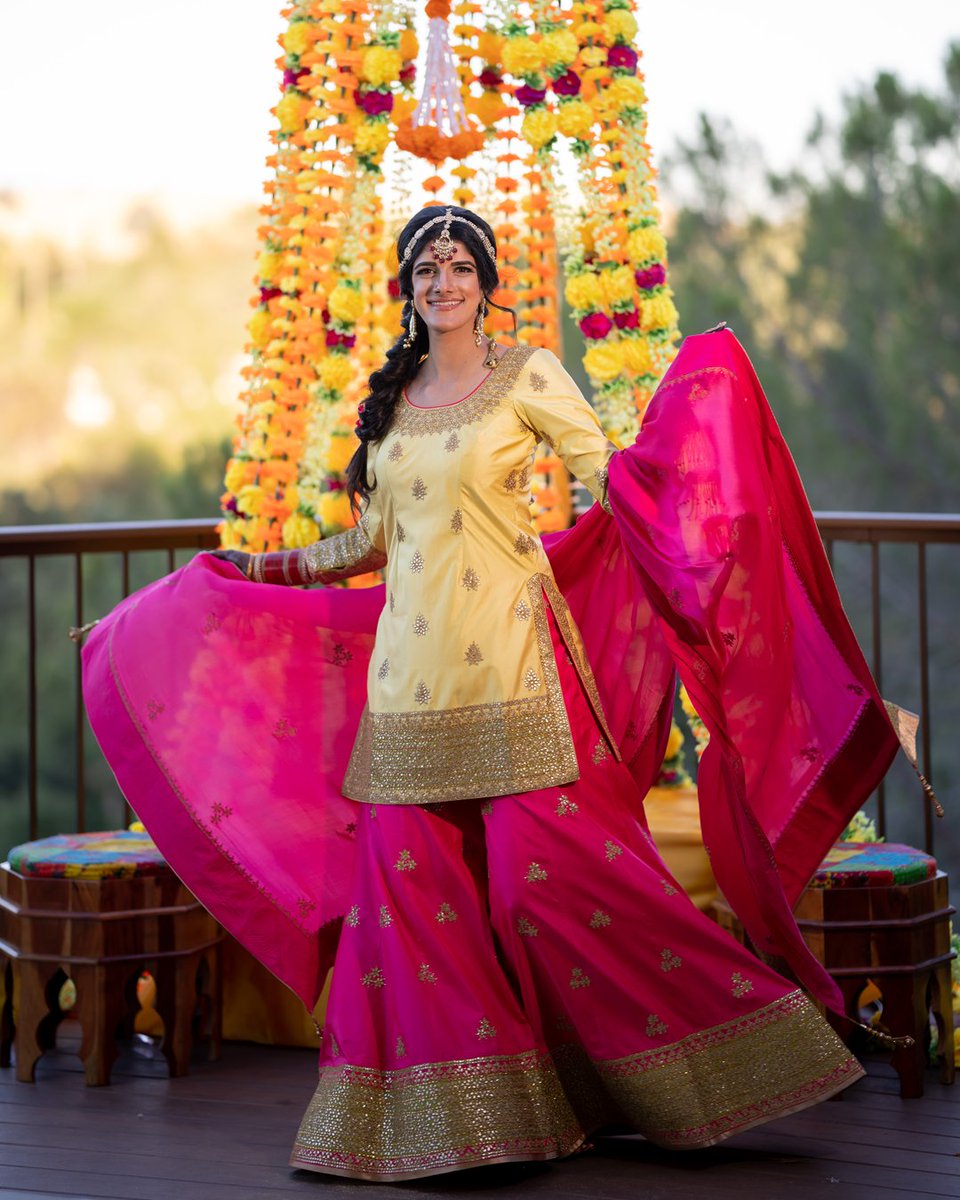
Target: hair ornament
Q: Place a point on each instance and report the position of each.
(444, 243)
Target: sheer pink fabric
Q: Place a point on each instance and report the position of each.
(228, 710)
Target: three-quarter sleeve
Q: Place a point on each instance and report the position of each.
(550, 404)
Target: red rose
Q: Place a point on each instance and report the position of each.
(595, 325)
(627, 320)
(650, 277)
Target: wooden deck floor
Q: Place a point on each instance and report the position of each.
(224, 1132)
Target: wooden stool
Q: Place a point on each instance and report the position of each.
(101, 908)
(881, 913)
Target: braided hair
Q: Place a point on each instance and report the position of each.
(387, 383)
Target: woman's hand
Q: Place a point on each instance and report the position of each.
(239, 558)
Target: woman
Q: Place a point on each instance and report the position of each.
(515, 966)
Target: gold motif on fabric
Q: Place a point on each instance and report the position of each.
(219, 811)
(601, 751)
(452, 443)
(537, 381)
(445, 914)
(283, 729)
(405, 862)
(401, 1050)
(668, 887)
(524, 544)
(416, 563)
(600, 919)
(211, 623)
(154, 709)
(418, 489)
(334, 1047)
(421, 625)
(521, 610)
(566, 807)
(401, 532)
(353, 917)
(384, 669)
(526, 928)
(739, 985)
(486, 807)
(422, 693)
(392, 602)
(395, 453)
(473, 656)
(485, 1030)
(669, 961)
(535, 873)
(402, 1123)
(486, 399)
(579, 978)
(698, 392)
(655, 1026)
(611, 850)
(456, 521)
(374, 978)
(426, 974)
(669, 383)
(470, 580)
(386, 917)
(531, 680)
(305, 907)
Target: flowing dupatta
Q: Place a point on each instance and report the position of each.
(227, 711)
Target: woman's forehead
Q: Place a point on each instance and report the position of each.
(460, 253)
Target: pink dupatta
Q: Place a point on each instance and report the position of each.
(228, 711)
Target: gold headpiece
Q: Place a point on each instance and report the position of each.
(442, 247)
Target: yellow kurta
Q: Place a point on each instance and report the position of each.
(463, 695)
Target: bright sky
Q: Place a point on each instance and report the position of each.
(128, 99)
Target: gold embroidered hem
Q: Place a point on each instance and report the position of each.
(423, 1120)
(481, 750)
(715, 1083)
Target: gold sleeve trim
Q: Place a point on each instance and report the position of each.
(339, 557)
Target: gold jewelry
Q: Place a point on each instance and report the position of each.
(478, 321)
(491, 361)
(411, 328)
(442, 248)
(446, 217)
(257, 572)
(248, 569)
(286, 569)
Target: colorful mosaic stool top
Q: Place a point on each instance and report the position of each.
(873, 864)
(115, 854)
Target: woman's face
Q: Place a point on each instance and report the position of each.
(446, 295)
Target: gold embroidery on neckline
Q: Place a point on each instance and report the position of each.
(417, 422)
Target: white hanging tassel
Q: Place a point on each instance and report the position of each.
(441, 103)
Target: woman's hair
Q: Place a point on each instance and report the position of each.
(387, 384)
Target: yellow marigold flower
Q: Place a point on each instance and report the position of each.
(559, 48)
(299, 530)
(297, 39)
(637, 359)
(292, 112)
(339, 451)
(259, 326)
(595, 57)
(646, 245)
(603, 362)
(250, 499)
(379, 65)
(575, 118)
(291, 497)
(674, 741)
(490, 46)
(235, 476)
(686, 703)
(335, 511)
(409, 47)
(617, 284)
(335, 371)
(626, 91)
(345, 304)
(372, 138)
(583, 292)
(587, 29)
(620, 24)
(268, 265)
(488, 107)
(539, 126)
(659, 312)
(522, 56)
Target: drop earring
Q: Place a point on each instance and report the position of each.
(478, 321)
(411, 328)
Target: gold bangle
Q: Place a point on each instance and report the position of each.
(248, 569)
(286, 568)
(256, 573)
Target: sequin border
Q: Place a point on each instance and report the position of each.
(411, 421)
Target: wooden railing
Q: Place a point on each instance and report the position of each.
(77, 547)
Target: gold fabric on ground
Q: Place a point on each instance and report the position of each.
(393, 1125)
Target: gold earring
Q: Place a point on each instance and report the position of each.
(478, 321)
(411, 329)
